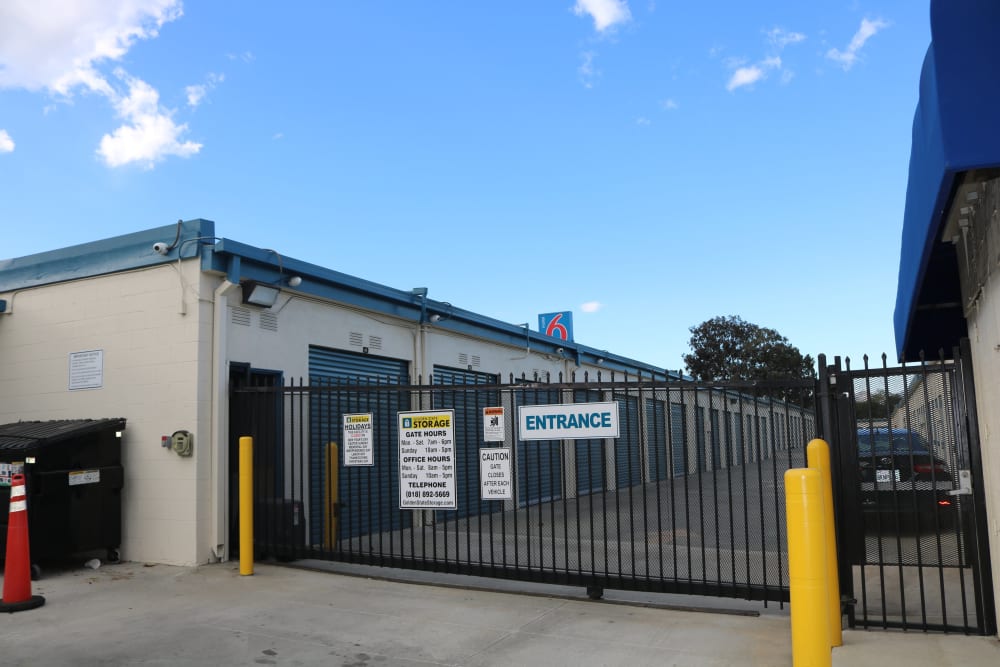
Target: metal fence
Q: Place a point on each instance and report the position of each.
(688, 498)
(910, 511)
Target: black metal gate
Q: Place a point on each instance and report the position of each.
(910, 504)
(688, 499)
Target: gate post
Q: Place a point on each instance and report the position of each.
(968, 429)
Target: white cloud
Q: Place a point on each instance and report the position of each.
(196, 93)
(278, 136)
(749, 75)
(744, 76)
(149, 133)
(62, 48)
(781, 38)
(642, 121)
(669, 105)
(56, 45)
(591, 306)
(586, 71)
(849, 57)
(606, 13)
(6, 143)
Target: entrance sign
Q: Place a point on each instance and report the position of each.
(574, 421)
(359, 443)
(493, 424)
(495, 479)
(427, 459)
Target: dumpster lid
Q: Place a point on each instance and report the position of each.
(26, 435)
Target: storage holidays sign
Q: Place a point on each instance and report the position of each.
(427, 459)
(568, 422)
(359, 447)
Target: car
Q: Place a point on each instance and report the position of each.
(901, 479)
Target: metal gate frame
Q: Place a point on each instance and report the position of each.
(714, 528)
(889, 608)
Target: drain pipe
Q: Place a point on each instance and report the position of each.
(220, 414)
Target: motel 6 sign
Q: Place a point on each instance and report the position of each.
(557, 325)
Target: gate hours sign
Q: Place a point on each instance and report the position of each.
(427, 459)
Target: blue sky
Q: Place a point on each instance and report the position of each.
(647, 164)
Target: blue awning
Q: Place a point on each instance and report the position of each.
(954, 133)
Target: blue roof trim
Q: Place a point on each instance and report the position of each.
(121, 253)
(953, 132)
(267, 266)
(239, 262)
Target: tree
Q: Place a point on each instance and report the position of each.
(732, 349)
(879, 406)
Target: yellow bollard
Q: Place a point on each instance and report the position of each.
(332, 490)
(807, 568)
(818, 453)
(246, 505)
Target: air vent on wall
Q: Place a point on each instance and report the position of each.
(475, 360)
(375, 342)
(269, 321)
(356, 339)
(240, 316)
(463, 359)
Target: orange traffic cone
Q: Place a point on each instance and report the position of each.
(17, 571)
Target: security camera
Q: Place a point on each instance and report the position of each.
(161, 248)
(559, 350)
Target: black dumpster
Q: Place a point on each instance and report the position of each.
(74, 476)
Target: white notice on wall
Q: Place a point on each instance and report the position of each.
(493, 424)
(427, 460)
(495, 479)
(86, 369)
(359, 447)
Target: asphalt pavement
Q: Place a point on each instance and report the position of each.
(333, 614)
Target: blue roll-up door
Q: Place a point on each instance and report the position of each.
(678, 442)
(656, 428)
(591, 465)
(468, 407)
(539, 462)
(699, 437)
(628, 456)
(369, 496)
(716, 439)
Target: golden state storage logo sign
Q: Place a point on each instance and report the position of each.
(427, 421)
(574, 421)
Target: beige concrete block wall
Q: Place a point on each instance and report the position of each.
(984, 335)
(156, 375)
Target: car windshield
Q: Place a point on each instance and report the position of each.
(880, 442)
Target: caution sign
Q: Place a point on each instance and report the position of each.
(359, 441)
(495, 479)
(493, 425)
(427, 460)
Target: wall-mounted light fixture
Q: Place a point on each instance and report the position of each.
(294, 281)
(259, 294)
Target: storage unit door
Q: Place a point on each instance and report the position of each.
(369, 496)
(628, 457)
(539, 462)
(468, 406)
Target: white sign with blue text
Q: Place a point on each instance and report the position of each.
(574, 421)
